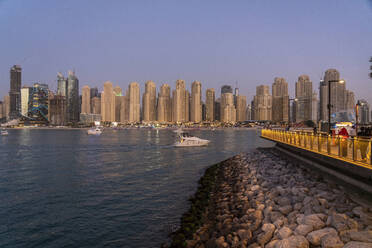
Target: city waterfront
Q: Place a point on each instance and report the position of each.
(125, 188)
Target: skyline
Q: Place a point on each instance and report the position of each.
(252, 43)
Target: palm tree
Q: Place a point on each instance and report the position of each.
(370, 74)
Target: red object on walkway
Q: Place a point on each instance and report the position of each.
(344, 133)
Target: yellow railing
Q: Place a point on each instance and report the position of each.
(356, 150)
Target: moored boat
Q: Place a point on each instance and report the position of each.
(186, 140)
(95, 131)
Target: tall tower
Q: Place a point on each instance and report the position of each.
(304, 96)
(241, 107)
(15, 91)
(117, 102)
(196, 105)
(149, 102)
(209, 105)
(228, 111)
(180, 102)
(134, 102)
(85, 101)
(164, 111)
(72, 97)
(108, 102)
(262, 104)
(280, 102)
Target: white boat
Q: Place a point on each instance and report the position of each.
(186, 140)
(4, 132)
(95, 131)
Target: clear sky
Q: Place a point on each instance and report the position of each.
(215, 42)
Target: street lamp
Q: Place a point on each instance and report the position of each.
(289, 109)
(359, 104)
(329, 106)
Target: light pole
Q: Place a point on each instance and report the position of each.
(329, 106)
(289, 109)
(359, 104)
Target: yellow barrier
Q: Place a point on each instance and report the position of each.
(356, 150)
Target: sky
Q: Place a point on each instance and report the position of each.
(213, 41)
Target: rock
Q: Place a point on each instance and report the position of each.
(220, 242)
(362, 236)
(271, 244)
(303, 229)
(342, 222)
(314, 237)
(244, 234)
(293, 242)
(354, 244)
(297, 206)
(285, 209)
(284, 201)
(284, 232)
(274, 215)
(191, 243)
(268, 230)
(331, 240)
(314, 221)
(255, 187)
(365, 216)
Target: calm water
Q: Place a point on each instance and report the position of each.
(125, 188)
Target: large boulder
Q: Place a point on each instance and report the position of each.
(314, 237)
(313, 220)
(303, 229)
(342, 222)
(331, 240)
(284, 232)
(266, 235)
(293, 242)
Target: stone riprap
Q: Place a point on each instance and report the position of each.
(262, 200)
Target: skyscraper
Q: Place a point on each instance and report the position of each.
(1, 110)
(210, 105)
(85, 105)
(180, 101)
(350, 101)
(72, 97)
(57, 110)
(164, 108)
(25, 97)
(241, 107)
(6, 106)
(15, 91)
(96, 105)
(117, 101)
(280, 100)
(62, 85)
(304, 96)
(196, 104)
(228, 111)
(262, 103)
(134, 102)
(338, 93)
(107, 103)
(149, 102)
(363, 112)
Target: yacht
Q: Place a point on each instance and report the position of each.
(186, 140)
(4, 132)
(95, 131)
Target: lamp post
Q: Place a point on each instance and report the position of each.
(359, 104)
(289, 109)
(329, 106)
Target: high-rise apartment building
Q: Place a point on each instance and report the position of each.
(108, 103)
(363, 112)
(1, 110)
(350, 101)
(228, 111)
(117, 102)
(196, 102)
(210, 105)
(134, 103)
(96, 105)
(164, 108)
(85, 101)
(249, 112)
(304, 98)
(57, 110)
(73, 105)
(15, 91)
(241, 107)
(25, 98)
(94, 92)
(149, 102)
(338, 94)
(262, 102)
(314, 108)
(180, 103)
(280, 100)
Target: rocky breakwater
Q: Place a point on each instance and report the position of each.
(261, 200)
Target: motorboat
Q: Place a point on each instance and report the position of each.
(186, 140)
(4, 132)
(95, 131)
